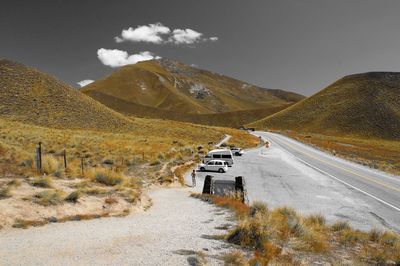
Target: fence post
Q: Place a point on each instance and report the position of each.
(82, 164)
(65, 159)
(39, 157)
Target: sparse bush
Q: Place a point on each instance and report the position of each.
(48, 197)
(73, 196)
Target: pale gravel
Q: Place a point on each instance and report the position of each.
(169, 233)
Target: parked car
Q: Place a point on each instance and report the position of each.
(237, 151)
(214, 165)
(219, 154)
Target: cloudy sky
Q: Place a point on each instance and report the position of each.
(298, 45)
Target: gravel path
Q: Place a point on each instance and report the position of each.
(169, 233)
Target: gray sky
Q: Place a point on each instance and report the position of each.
(296, 45)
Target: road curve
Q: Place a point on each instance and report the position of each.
(311, 181)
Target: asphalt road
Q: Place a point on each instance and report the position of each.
(290, 173)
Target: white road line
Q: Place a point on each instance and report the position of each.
(344, 182)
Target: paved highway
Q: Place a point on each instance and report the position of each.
(311, 181)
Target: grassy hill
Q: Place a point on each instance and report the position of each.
(171, 90)
(31, 96)
(362, 105)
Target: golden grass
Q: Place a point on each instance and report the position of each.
(267, 232)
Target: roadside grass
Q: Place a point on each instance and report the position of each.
(375, 153)
(269, 232)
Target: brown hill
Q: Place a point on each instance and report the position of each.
(363, 105)
(31, 96)
(171, 90)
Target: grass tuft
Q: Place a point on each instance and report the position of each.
(48, 197)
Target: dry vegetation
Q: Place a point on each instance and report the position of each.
(375, 153)
(283, 237)
(117, 167)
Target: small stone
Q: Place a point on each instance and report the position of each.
(52, 219)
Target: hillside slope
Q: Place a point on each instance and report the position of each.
(233, 119)
(30, 96)
(174, 87)
(363, 105)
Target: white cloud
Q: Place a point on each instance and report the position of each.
(118, 58)
(146, 33)
(159, 34)
(187, 36)
(85, 82)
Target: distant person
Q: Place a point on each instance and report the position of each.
(193, 178)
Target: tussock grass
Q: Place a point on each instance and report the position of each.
(50, 165)
(42, 181)
(73, 196)
(267, 232)
(48, 197)
(109, 177)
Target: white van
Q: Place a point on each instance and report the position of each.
(220, 154)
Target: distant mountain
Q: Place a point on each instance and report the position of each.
(366, 105)
(30, 96)
(172, 90)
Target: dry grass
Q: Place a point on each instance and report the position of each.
(268, 232)
(73, 196)
(234, 258)
(109, 177)
(385, 155)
